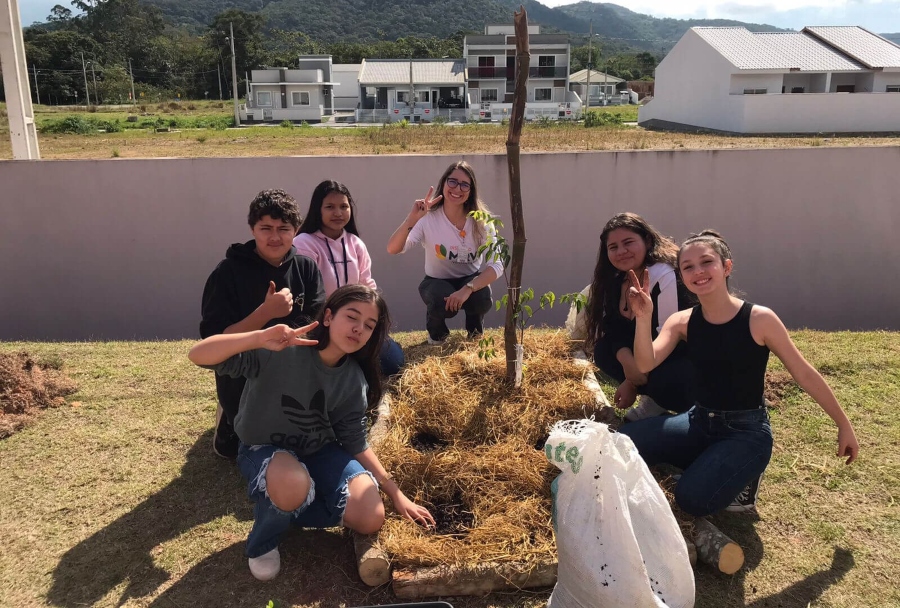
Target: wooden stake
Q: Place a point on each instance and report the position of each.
(371, 560)
(716, 549)
(517, 259)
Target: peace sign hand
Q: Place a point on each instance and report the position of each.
(424, 205)
(639, 295)
(280, 337)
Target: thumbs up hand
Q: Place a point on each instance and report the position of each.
(278, 304)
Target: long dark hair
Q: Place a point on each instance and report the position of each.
(473, 203)
(604, 294)
(313, 221)
(367, 356)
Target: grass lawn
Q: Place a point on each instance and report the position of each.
(117, 499)
(188, 142)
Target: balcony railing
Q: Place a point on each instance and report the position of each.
(548, 72)
(481, 73)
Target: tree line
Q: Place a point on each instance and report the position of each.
(99, 49)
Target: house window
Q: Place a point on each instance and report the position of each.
(264, 98)
(488, 95)
(543, 94)
(755, 91)
(423, 96)
(486, 67)
(402, 96)
(300, 98)
(892, 88)
(546, 61)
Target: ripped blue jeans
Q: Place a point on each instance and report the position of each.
(330, 469)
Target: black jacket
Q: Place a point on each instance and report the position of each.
(239, 285)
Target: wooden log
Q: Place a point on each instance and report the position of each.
(692, 552)
(716, 549)
(442, 581)
(372, 561)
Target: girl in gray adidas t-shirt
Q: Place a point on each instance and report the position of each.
(302, 422)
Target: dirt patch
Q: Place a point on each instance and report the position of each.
(778, 384)
(28, 386)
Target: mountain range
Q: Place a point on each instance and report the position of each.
(368, 20)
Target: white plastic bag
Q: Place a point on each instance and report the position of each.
(575, 321)
(617, 540)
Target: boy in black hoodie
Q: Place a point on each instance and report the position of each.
(260, 283)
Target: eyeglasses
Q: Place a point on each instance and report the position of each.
(455, 183)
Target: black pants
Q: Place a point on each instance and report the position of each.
(670, 385)
(434, 293)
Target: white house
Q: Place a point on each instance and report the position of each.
(603, 86)
(823, 79)
(417, 90)
(278, 94)
(491, 63)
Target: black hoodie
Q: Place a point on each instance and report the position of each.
(239, 285)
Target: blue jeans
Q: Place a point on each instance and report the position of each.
(434, 293)
(391, 357)
(719, 452)
(330, 469)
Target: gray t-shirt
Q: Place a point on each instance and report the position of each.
(294, 401)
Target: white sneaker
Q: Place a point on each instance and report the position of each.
(266, 566)
(645, 408)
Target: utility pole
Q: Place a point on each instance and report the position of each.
(219, 77)
(87, 92)
(237, 113)
(131, 73)
(94, 77)
(37, 91)
(22, 130)
(412, 91)
(587, 95)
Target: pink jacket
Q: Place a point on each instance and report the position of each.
(342, 261)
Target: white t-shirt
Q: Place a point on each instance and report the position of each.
(450, 253)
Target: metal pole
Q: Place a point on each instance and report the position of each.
(587, 95)
(22, 130)
(94, 77)
(131, 72)
(37, 91)
(237, 112)
(87, 92)
(219, 78)
(412, 91)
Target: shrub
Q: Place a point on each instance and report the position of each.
(77, 125)
(594, 118)
(115, 153)
(111, 126)
(286, 124)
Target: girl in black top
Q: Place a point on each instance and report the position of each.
(628, 242)
(724, 441)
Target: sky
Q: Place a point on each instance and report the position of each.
(880, 16)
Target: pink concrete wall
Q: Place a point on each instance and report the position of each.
(120, 249)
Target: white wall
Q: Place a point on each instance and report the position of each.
(120, 249)
(821, 113)
(692, 87)
(346, 94)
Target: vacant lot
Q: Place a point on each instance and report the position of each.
(184, 139)
(116, 499)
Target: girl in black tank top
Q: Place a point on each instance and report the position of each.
(724, 442)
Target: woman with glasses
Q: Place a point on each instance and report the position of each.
(457, 277)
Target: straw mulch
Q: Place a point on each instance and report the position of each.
(27, 386)
(470, 447)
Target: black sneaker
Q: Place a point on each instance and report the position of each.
(225, 441)
(746, 500)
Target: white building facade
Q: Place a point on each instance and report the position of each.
(824, 79)
(491, 64)
(296, 95)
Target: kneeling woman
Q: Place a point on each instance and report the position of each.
(724, 442)
(457, 277)
(629, 243)
(302, 422)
